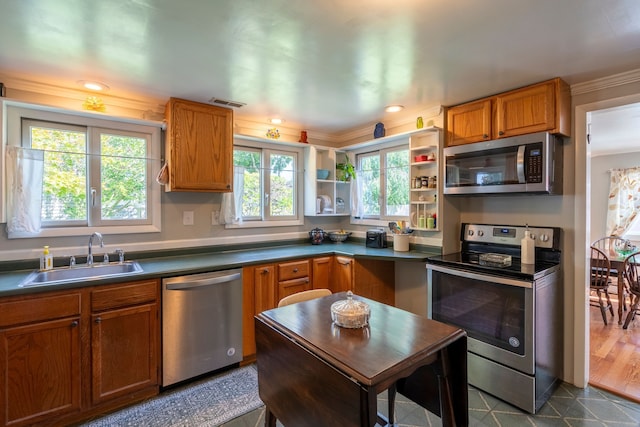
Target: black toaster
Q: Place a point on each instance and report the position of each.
(376, 239)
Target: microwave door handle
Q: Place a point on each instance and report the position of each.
(520, 164)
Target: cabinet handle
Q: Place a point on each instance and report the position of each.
(99, 320)
(265, 271)
(501, 132)
(75, 324)
(228, 186)
(485, 136)
(295, 270)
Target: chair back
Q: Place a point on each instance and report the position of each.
(303, 296)
(612, 246)
(632, 272)
(600, 269)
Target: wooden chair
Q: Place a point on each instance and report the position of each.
(600, 282)
(615, 247)
(632, 276)
(303, 296)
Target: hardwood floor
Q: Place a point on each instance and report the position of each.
(615, 355)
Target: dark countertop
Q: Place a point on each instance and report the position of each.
(221, 259)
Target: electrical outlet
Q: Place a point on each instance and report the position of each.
(215, 218)
(187, 218)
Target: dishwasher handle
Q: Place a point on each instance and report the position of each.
(198, 283)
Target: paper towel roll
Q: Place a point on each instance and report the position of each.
(528, 249)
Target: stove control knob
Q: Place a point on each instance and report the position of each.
(480, 233)
(470, 232)
(544, 237)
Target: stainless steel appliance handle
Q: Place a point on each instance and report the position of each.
(203, 282)
(520, 164)
(483, 277)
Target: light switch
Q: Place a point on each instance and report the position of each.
(187, 218)
(215, 218)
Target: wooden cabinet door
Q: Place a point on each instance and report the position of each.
(124, 351)
(321, 272)
(40, 372)
(199, 147)
(293, 286)
(468, 123)
(265, 288)
(125, 339)
(532, 109)
(259, 294)
(342, 275)
(375, 279)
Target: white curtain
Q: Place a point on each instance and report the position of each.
(624, 200)
(231, 206)
(24, 190)
(356, 190)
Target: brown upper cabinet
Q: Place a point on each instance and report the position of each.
(199, 147)
(540, 107)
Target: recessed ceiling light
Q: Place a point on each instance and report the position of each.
(276, 121)
(393, 108)
(92, 85)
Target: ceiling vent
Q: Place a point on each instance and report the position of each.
(226, 102)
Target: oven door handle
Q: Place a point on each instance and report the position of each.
(483, 277)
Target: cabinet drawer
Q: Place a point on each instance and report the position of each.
(124, 295)
(293, 270)
(38, 309)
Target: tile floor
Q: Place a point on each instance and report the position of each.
(569, 406)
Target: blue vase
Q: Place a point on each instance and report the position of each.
(379, 130)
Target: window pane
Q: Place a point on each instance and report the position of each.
(64, 184)
(282, 185)
(397, 183)
(370, 175)
(252, 196)
(123, 172)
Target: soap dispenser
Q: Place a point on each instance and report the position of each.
(527, 248)
(46, 259)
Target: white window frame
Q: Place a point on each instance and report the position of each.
(381, 149)
(266, 149)
(13, 112)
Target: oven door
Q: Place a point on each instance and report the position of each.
(496, 312)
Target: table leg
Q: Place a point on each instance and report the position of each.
(269, 418)
(621, 302)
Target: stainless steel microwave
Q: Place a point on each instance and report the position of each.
(521, 164)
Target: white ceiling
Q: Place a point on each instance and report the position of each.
(329, 65)
(615, 130)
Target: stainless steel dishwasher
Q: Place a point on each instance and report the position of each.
(201, 324)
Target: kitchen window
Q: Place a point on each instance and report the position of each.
(96, 173)
(271, 193)
(383, 180)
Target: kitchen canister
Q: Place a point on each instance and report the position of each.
(401, 242)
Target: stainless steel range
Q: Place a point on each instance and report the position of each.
(512, 312)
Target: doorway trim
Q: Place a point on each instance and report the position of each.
(582, 224)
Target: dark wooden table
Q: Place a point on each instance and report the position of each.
(314, 373)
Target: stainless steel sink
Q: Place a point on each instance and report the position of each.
(81, 273)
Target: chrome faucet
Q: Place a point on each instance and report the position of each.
(90, 255)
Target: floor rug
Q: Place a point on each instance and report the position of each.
(209, 402)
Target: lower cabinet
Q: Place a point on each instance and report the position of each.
(342, 274)
(264, 285)
(40, 351)
(293, 277)
(124, 340)
(69, 355)
(259, 293)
